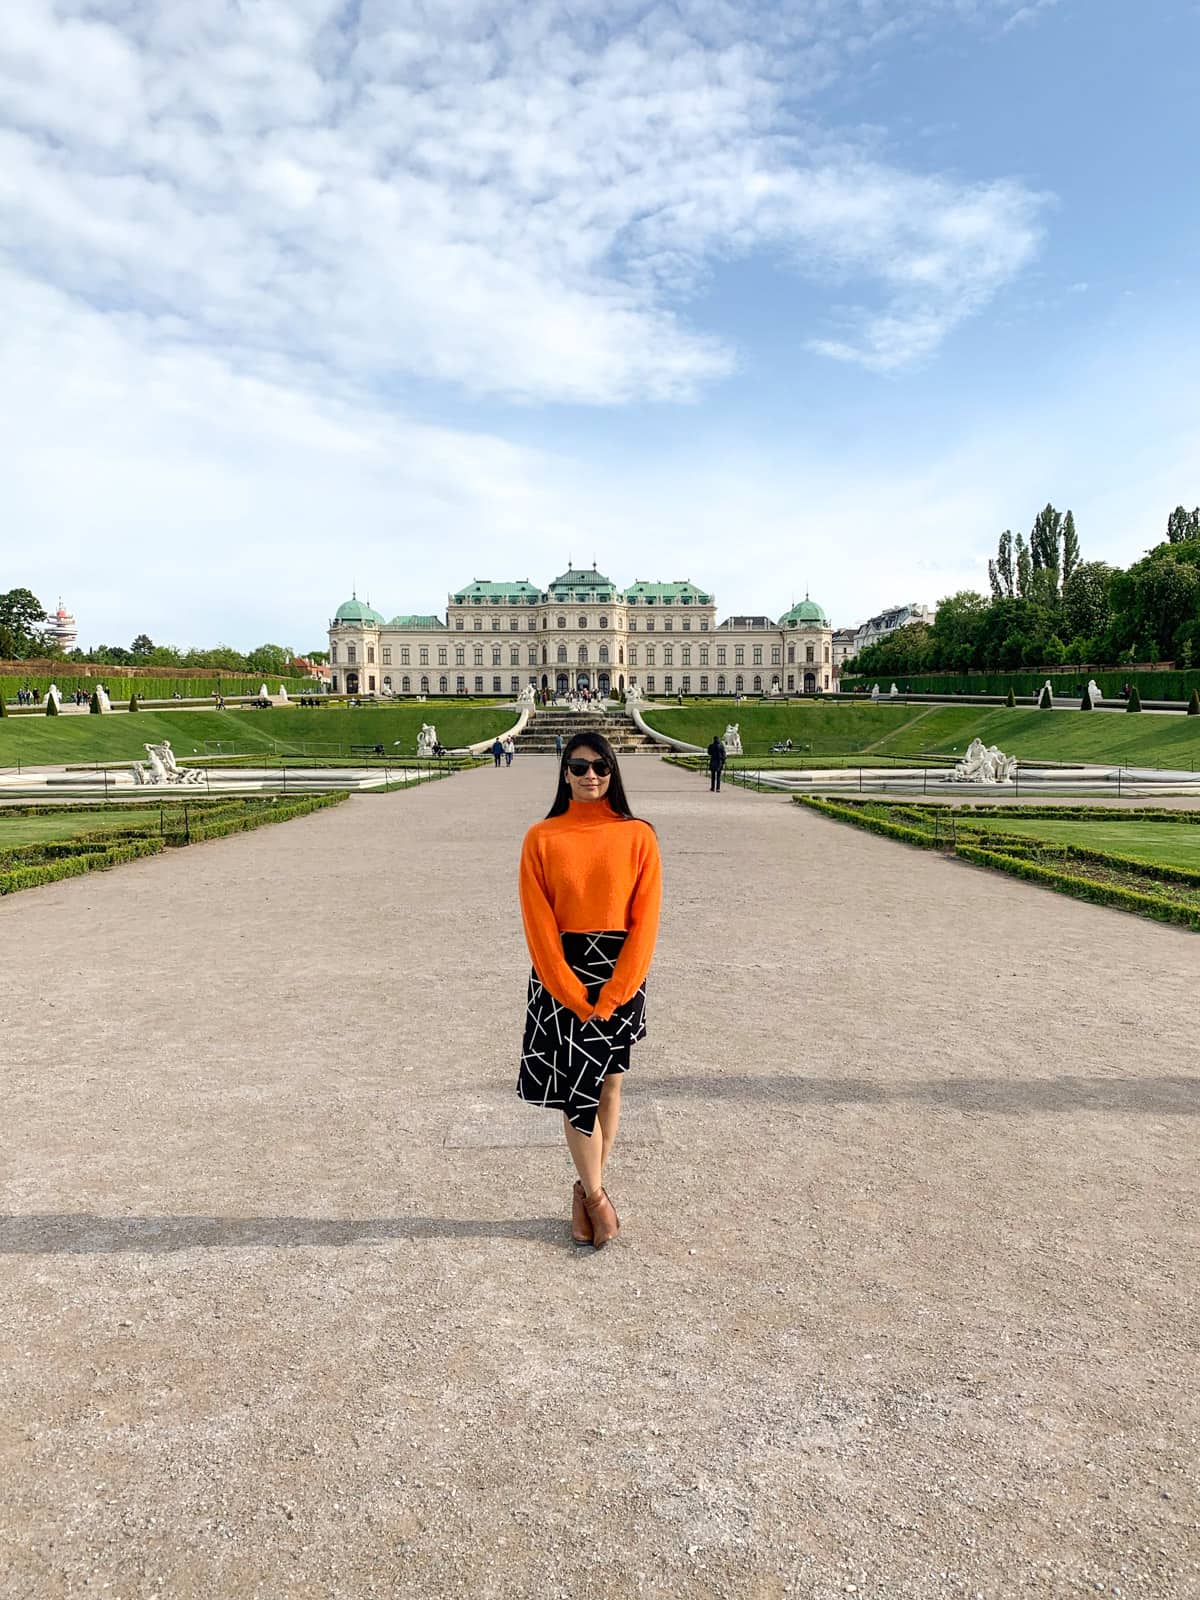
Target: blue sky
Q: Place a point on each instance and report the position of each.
(309, 296)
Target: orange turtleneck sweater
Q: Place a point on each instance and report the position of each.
(583, 872)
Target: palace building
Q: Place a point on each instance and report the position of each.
(580, 633)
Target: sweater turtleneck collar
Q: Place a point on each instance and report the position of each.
(590, 810)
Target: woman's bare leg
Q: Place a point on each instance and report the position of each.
(587, 1152)
(609, 1114)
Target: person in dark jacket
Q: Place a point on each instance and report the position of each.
(716, 764)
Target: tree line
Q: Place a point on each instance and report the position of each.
(1049, 608)
(24, 636)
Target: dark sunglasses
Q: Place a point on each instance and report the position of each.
(579, 768)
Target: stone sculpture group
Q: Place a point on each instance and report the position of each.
(427, 739)
(161, 767)
(732, 739)
(985, 764)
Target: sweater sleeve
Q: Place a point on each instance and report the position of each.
(543, 938)
(638, 950)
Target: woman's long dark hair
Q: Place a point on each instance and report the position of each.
(616, 789)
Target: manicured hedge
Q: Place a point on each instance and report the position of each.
(282, 811)
(1103, 894)
(1064, 683)
(75, 864)
(152, 686)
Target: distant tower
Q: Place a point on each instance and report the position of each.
(61, 628)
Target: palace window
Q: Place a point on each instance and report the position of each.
(776, 657)
(668, 623)
(514, 657)
(758, 683)
(808, 652)
(424, 685)
(686, 655)
(668, 655)
(669, 684)
(703, 655)
(533, 655)
(757, 652)
(531, 625)
(650, 683)
(720, 655)
(514, 684)
(561, 653)
(387, 684)
(583, 622)
(633, 624)
(387, 655)
(633, 661)
(791, 680)
(496, 683)
(703, 624)
(371, 683)
(443, 684)
(649, 655)
(495, 655)
(649, 624)
(478, 655)
(739, 655)
(441, 655)
(514, 624)
(687, 628)
(604, 622)
(405, 684)
(495, 624)
(351, 653)
(686, 685)
(458, 625)
(827, 652)
(720, 683)
(460, 655)
(333, 654)
(478, 683)
(371, 654)
(583, 655)
(704, 683)
(739, 683)
(603, 656)
(423, 660)
(791, 653)
(405, 652)
(478, 624)
(562, 622)
(460, 684)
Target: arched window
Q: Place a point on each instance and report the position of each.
(604, 622)
(739, 683)
(604, 654)
(387, 684)
(443, 684)
(561, 653)
(583, 655)
(583, 622)
(424, 683)
(720, 683)
(562, 622)
(406, 684)
(758, 683)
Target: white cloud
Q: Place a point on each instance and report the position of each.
(514, 200)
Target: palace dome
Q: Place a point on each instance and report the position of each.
(808, 611)
(356, 610)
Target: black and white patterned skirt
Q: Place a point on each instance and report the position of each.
(564, 1062)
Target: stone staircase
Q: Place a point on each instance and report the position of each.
(618, 727)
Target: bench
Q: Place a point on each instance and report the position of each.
(367, 750)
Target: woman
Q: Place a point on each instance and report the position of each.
(591, 888)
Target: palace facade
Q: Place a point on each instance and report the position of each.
(581, 632)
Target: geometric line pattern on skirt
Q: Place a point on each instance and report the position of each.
(564, 1061)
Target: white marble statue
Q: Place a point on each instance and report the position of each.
(732, 739)
(893, 691)
(1046, 692)
(874, 691)
(426, 739)
(283, 694)
(262, 692)
(161, 767)
(102, 697)
(985, 764)
(633, 694)
(1094, 693)
(528, 695)
(52, 690)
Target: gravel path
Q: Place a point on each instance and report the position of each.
(904, 1303)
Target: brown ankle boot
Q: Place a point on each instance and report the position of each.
(581, 1226)
(603, 1217)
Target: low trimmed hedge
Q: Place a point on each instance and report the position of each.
(75, 864)
(282, 811)
(1101, 894)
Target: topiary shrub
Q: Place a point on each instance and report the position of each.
(1193, 709)
(1134, 703)
(133, 702)
(51, 706)
(94, 704)
(4, 704)
(1010, 698)
(1046, 699)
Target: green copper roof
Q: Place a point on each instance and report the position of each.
(807, 611)
(423, 622)
(661, 593)
(356, 610)
(485, 589)
(580, 578)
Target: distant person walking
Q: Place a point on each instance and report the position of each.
(509, 752)
(591, 890)
(558, 745)
(716, 763)
(497, 752)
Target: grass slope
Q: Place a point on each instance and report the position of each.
(1158, 844)
(829, 728)
(294, 730)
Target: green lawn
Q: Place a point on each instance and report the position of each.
(293, 730)
(1160, 844)
(18, 830)
(847, 727)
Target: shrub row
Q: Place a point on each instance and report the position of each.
(1065, 683)
(1104, 894)
(75, 864)
(120, 683)
(872, 823)
(281, 811)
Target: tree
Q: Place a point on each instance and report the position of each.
(1010, 698)
(1044, 540)
(1045, 699)
(274, 659)
(1183, 525)
(1070, 548)
(1158, 599)
(1023, 568)
(1134, 703)
(143, 645)
(133, 702)
(20, 613)
(51, 706)
(1193, 709)
(94, 703)
(1000, 571)
(1087, 611)
(3, 702)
